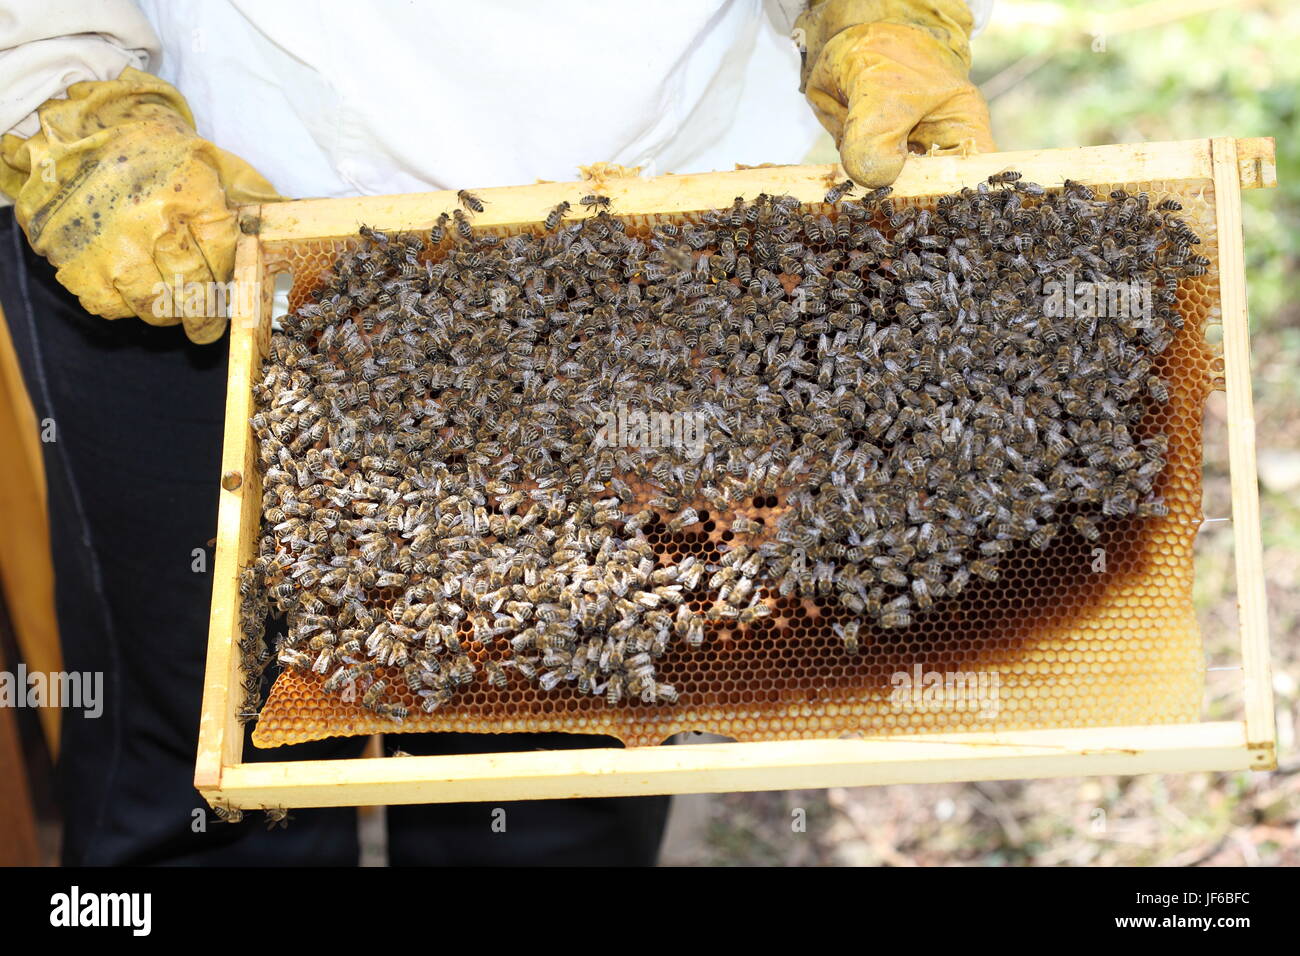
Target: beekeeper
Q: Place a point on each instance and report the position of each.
(133, 129)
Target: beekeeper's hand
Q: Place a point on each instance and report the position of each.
(119, 192)
(883, 75)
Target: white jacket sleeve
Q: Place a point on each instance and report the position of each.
(47, 45)
(783, 13)
(982, 11)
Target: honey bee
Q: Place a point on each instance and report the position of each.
(556, 216)
(638, 521)
(848, 633)
(1086, 527)
(596, 202)
(690, 574)
(1042, 536)
(395, 712)
(496, 675)
(439, 229)
(374, 693)
(462, 226)
(227, 814)
(894, 617)
(277, 817)
(684, 519)
(839, 191)
(614, 689)
(434, 697)
(892, 575)
(295, 659)
(469, 200)
(695, 631)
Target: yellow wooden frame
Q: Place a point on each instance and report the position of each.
(222, 776)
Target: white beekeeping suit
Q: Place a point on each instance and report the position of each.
(335, 98)
(340, 97)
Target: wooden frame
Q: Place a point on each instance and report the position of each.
(222, 776)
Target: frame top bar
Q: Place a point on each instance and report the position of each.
(308, 219)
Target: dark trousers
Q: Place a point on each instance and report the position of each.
(132, 478)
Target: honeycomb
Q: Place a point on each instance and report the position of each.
(1063, 638)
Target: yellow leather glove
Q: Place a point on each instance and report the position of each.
(883, 75)
(118, 191)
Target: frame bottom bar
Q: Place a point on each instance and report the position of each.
(730, 767)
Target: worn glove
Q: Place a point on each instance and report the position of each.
(119, 192)
(883, 75)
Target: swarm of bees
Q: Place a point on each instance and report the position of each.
(436, 478)
(254, 658)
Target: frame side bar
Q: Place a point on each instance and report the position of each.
(221, 737)
(1261, 731)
